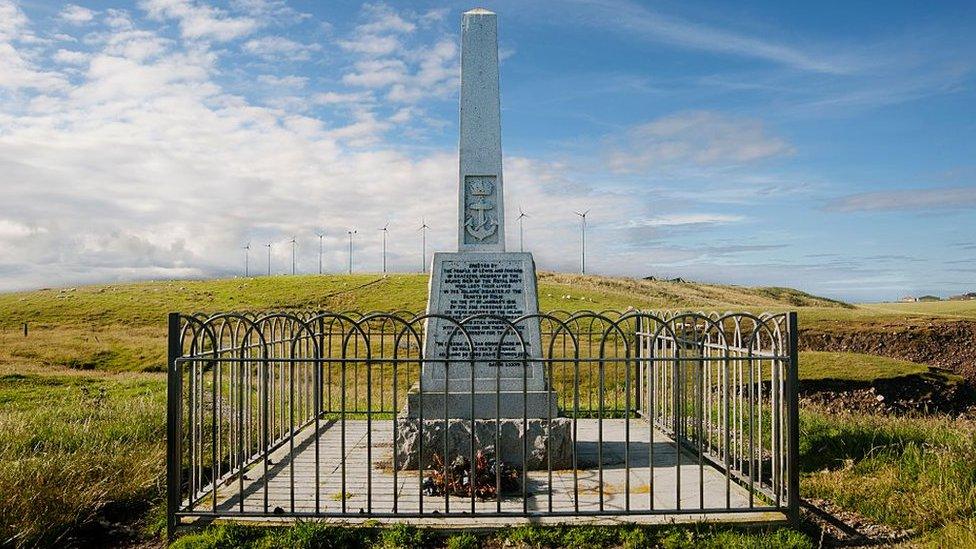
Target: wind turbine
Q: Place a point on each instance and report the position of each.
(247, 247)
(320, 235)
(384, 229)
(423, 232)
(268, 245)
(351, 232)
(294, 245)
(583, 240)
(522, 216)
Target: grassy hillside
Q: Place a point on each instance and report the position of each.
(146, 303)
(120, 327)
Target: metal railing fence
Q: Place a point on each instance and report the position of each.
(266, 412)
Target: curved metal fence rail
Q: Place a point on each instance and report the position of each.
(266, 409)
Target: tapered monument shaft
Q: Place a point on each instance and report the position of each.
(481, 224)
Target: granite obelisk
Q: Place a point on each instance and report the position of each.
(481, 223)
(481, 278)
(483, 304)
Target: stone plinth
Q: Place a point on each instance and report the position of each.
(557, 438)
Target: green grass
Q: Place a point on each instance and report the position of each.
(945, 309)
(321, 535)
(70, 445)
(146, 303)
(887, 314)
(82, 428)
(121, 327)
(818, 365)
(914, 473)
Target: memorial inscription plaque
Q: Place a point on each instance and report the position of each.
(491, 285)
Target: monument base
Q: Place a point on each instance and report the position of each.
(504, 405)
(542, 438)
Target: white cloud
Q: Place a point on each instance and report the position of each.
(280, 48)
(698, 137)
(371, 44)
(933, 198)
(70, 57)
(76, 15)
(337, 98)
(376, 73)
(145, 167)
(679, 219)
(290, 81)
(135, 44)
(12, 20)
(200, 21)
(14, 229)
(635, 18)
(382, 18)
(17, 70)
(118, 19)
(407, 72)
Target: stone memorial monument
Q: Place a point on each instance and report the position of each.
(481, 278)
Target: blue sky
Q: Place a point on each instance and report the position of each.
(824, 146)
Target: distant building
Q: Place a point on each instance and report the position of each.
(909, 299)
(968, 296)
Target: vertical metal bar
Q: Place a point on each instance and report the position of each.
(549, 404)
(214, 435)
(342, 428)
(576, 413)
(774, 443)
(699, 428)
(317, 405)
(498, 448)
(218, 409)
(174, 406)
(599, 445)
(369, 431)
(525, 435)
(627, 431)
(727, 422)
(650, 424)
(420, 429)
(191, 412)
(473, 469)
(447, 425)
(396, 466)
(291, 432)
(317, 399)
(793, 421)
(265, 382)
(677, 390)
(752, 419)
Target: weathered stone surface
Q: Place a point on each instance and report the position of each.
(481, 222)
(486, 405)
(492, 357)
(500, 284)
(510, 436)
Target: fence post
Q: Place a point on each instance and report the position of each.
(793, 421)
(173, 397)
(639, 370)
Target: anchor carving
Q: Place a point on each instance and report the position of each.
(480, 222)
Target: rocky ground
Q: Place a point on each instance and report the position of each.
(905, 395)
(949, 344)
